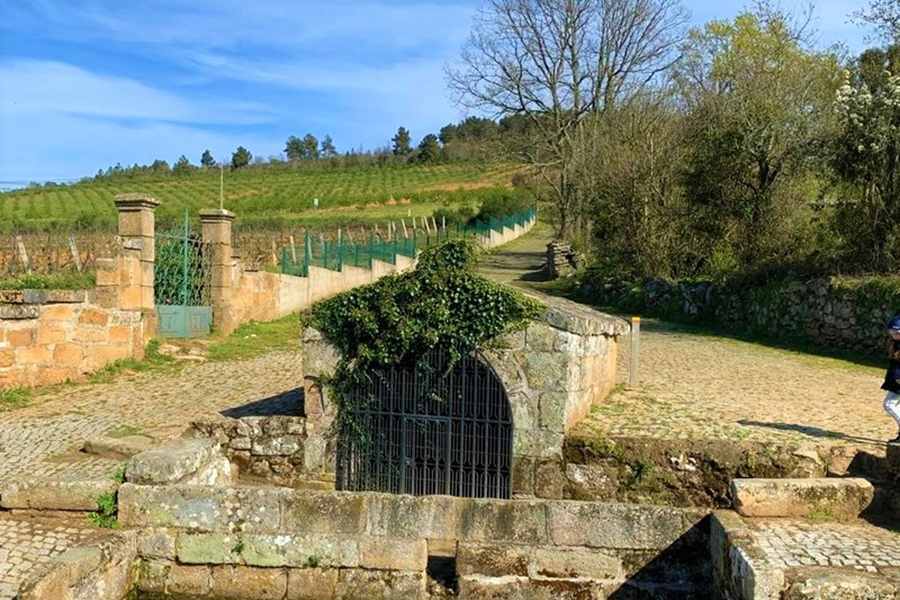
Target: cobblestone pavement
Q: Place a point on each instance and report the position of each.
(42, 439)
(694, 385)
(25, 544)
(858, 545)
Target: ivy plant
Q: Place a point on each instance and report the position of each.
(401, 318)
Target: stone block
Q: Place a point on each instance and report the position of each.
(21, 338)
(437, 517)
(546, 371)
(239, 583)
(392, 554)
(118, 448)
(93, 316)
(68, 355)
(34, 355)
(277, 446)
(202, 508)
(156, 544)
(523, 588)
(518, 521)
(173, 462)
(492, 560)
(622, 526)
(304, 512)
(188, 580)
(312, 584)
(16, 312)
(267, 550)
(824, 498)
(553, 409)
(540, 337)
(826, 584)
(7, 358)
(550, 479)
(153, 575)
(381, 585)
(54, 495)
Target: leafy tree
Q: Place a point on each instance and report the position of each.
(182, 165)
(293, 148)
(310, 147)
(866, 158)
(401, 142)
(328, 149)
(429, 149)
(759, 100)
(240, 158)
(158, 166)
(207, 159)
(557, 63)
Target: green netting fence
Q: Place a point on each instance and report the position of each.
(335, 254)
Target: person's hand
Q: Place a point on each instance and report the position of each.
(895, 334)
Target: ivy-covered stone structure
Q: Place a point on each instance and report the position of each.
(553, 371)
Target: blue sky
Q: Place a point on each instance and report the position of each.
(86, 84)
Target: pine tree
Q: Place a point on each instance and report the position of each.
(293, 148)
(328, 149)
(401, 145)
(240, 158)
(310, 147)
(207, 159)
(429, 149)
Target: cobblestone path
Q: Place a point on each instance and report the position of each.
(857, 545)
(25, 544)
(42, 439)
(696, 385)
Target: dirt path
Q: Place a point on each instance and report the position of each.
(698, 385)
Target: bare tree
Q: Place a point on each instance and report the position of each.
(558, 61)
(884, 15)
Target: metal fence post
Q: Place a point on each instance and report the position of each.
(635, 358)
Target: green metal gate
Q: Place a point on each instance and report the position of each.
(182, 283)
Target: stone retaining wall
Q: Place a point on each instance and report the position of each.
(53, 336)
(836, 313)
(199, 539)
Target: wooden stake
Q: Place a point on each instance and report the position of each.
(23, 254)
(635, 359)
(405, 233)
(76, 257)
(293, 250)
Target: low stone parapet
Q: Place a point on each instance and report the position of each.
(194, 532)
(822, 498)
(38, 494)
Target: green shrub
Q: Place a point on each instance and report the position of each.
(67, 280)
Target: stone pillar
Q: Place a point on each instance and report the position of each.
(217, 224)
(137, 230)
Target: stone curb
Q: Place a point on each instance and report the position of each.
(55, 495)
(827, 498)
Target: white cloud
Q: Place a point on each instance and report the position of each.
(57, 146)
(37, 88)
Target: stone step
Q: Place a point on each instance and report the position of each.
(118, 448)
(831, 498)
(37, 494)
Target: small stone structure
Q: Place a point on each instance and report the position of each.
(561, 260)
(553, 373)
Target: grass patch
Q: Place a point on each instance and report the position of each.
(53, 281)
(122, 431)
(12, 398)
(256, 338)
(152, 361)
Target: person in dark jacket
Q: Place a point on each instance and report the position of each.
(892, 378)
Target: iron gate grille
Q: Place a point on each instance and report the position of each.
(181, 283)
(429, 430)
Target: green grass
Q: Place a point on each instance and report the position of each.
(12, 398)
(264, 197)
(54, 281)
(153, 361)
(255, 339)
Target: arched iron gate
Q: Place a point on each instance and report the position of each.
(429, 430)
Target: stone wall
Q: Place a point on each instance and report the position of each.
(199, 540)
(241, 295)
(553, 372)
(270, 448)
(52, 336)
(835, 313)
